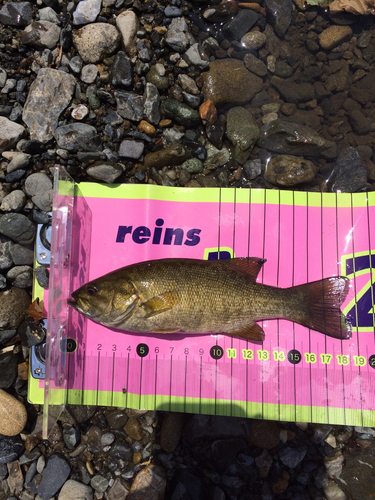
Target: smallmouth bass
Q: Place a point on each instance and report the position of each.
(199, 296)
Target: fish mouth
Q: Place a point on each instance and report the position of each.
(78, 305)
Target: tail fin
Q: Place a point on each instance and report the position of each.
(322, 312)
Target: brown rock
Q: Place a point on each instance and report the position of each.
(119, 490)
(23, 370)
(171, 431)
(264, 434)
(280, 486)
(208, 113)
(170, 156)
(229, 82)
(14, 303)
(147, 128)
(165, 123)
(288, 170)
(370, 168)
(15, 478)
(134, 429)
(334, 35)
(13, 415)
(149, 483)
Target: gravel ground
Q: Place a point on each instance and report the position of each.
(198, 94)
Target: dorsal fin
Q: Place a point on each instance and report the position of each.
(246, 265)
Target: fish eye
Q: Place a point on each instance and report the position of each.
(91, 290)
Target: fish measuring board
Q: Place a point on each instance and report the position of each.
(296, 374)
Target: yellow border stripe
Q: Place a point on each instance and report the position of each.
(314, 414)
(212, 195)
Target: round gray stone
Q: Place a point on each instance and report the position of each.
(86, 12)
(105, 171)
(21, 255)
(131, 149)
(42, 276)
(89, 73)
(37, 183)
(193, 166)
(18, 227)
(14, 201)
(21, 276)
(77, 136)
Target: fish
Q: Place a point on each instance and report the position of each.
(200, 296)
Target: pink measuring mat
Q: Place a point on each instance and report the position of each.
(296, 374)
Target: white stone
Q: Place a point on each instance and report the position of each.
(14, 201)
(128, 24)
(49, 94)
(74, 490)
(80, 112)
(269, 117)
(3, 77)
(10, 133)
(96, 41)
(48, 14)
(17, 160)
(334, 465)
(89, 73)
(334, 492)
(48, 35)
(87, 11)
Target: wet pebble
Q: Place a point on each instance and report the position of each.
(228, 82)
(349, 173)
(287, 170)
(99, 483)
(242, 131)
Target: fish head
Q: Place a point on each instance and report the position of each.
(107, 300)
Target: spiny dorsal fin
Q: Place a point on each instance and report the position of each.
(246, 265)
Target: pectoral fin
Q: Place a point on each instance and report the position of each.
(160, 303)
(249, 332)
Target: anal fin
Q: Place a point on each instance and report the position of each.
(250, 331)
